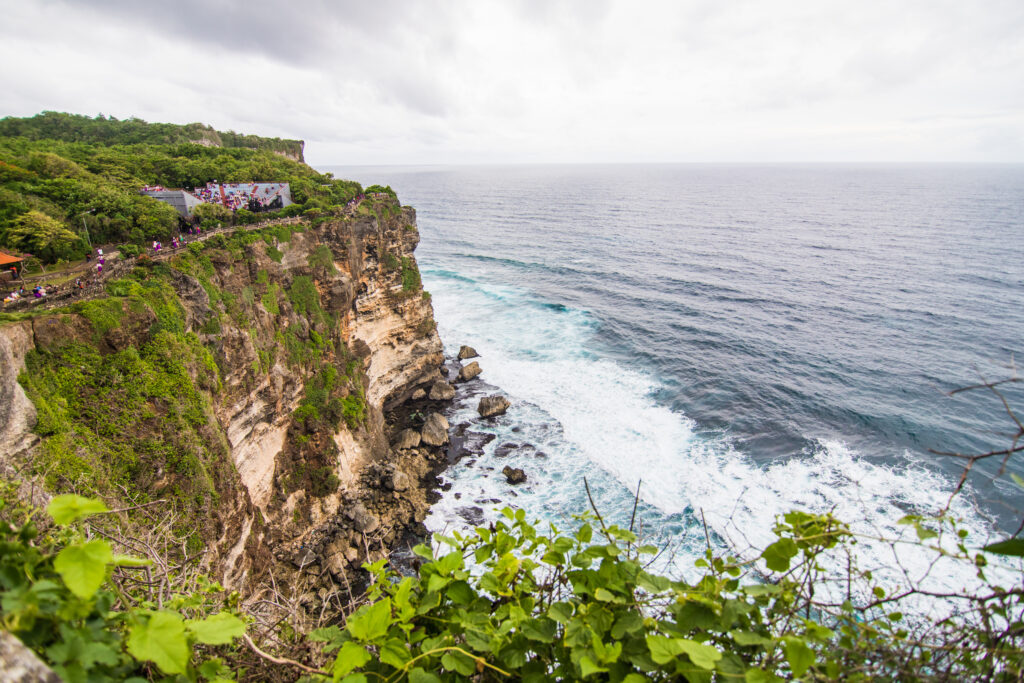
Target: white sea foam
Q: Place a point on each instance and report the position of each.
(594, 418)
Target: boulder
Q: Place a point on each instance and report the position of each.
(467, 352)
(400, 481)
(435, 430)
(18, 663)
(364, 520)
(419, 394)
(407, 438)
(513, 475)
(442, 391)
(470, 371)
(492, 405)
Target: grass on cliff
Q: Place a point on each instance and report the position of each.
(130, 420)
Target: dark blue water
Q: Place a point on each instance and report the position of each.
(745, 339)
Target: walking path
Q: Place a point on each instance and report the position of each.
(66, 293)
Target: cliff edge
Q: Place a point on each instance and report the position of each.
(240, 386)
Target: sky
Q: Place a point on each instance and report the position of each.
(535, 81)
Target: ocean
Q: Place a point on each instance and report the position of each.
(732, 341)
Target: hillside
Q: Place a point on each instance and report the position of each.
(72, 173)
(103, 130)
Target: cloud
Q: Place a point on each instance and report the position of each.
(612, 80)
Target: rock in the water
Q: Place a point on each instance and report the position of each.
(442, 391)
(407, 438)
(435, 430)
(470, 371)
(492, 405)
(472, 514)
(467, 352)
(513, 475)
(419, 394)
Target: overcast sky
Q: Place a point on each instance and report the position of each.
(388, 82)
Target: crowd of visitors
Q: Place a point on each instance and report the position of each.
(153, 188)
(252, 196)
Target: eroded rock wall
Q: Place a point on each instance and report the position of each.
(328, 323)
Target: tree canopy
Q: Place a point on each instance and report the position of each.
(64, 166)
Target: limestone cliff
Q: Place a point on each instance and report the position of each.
(288, 345)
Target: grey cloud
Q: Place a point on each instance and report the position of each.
(294, 32)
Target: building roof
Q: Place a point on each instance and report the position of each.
(7, 258)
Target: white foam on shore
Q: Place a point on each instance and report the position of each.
(594, 418)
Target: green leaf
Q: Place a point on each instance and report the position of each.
(70, 507)
(371, 622)
(778, 554)
(1016, 478)
(354, 678)
(760, 676)
(745, 638)
(629, 622)
(351, 656)
(588, 667)
(664, 650)
(605, 595)
(161, 640)
(130, 561)
(800, 656)
(1011, 546)
(395, 653)
(560, 612)
(220, 629)
(418, 675)
(84, 566)
(424, 551)
(540, 629)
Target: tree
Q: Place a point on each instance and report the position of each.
(42, 235)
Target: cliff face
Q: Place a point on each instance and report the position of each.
(248, 379)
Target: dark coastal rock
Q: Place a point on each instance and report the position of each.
(435, 430)
(470, 371)
(467, 352)
(492, 405)
(513, 475)
(442, 391)
(472, 514)
(407, 438)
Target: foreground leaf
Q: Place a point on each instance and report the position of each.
(161, 640)
(220, 629)
(70, 507)
(83, 566)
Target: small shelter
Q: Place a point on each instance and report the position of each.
(10, 267)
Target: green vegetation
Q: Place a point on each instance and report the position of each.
(58, 594)
(109, 131)
(390, 261)
(321, 260)
(411, 281)
(131, 421)
(382, 189)
(86, 173)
